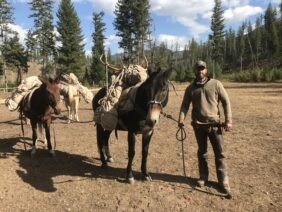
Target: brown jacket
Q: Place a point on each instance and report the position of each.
(205, 100)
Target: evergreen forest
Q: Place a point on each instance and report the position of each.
(251, 53)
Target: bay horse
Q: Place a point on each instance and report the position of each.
(151, 97)
(37, 106)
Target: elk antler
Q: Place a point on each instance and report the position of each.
(146, 61)
(114, 69)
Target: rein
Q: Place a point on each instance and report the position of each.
(180, 136)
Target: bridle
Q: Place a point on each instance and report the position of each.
(155, 102)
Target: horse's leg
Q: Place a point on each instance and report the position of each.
(41, 132)
(34, 136)
(100, 143)
(106, 148)
(146, 138)
(48, 138)
(131, 153)
(69, 113)
(76, 108)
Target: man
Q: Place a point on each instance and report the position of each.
(205, 94)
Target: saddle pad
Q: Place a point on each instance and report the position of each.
(26, 99)
(127, 98)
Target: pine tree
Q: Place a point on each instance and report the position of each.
(258, 38)
(217, 36)
(71, 56)
(250, 44)
(123, 25)
(242, 44)
(280, 30)
(141, 22)
(15, 56)
(271, 31)
(6, 17)
(230, 53)
(97, 69)
(162, 55)
(44, 30)
(132, 23)
(31, 46)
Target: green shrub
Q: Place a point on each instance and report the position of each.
(257, 75)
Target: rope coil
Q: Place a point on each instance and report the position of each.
(180, 136)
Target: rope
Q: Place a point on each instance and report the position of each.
(180, 136)
(64, 117)
(54, 135)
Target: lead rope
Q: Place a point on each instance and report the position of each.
(54, 135)
(180, 136)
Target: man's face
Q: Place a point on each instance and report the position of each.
(201, 73)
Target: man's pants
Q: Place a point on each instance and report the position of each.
(214, 134)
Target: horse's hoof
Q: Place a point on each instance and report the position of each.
(110, 159)
(52, 153)
(131, 180)
(147, 178)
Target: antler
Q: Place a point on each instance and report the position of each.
(146, 61)
(114, 69)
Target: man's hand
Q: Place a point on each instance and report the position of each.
(180, 125)
(228, 126)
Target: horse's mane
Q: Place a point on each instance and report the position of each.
(156, 81)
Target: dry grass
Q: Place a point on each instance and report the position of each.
(73, 181)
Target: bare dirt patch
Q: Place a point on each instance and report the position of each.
(74, 181)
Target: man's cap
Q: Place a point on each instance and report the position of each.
(200, 63)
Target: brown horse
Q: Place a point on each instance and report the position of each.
(37, 106)
(151, 97)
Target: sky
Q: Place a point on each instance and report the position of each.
(174, 21)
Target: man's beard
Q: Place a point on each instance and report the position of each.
(201, 76)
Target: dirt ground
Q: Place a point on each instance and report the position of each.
(74, 181)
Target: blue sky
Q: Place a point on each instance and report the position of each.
(174, 21)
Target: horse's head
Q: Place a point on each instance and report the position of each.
(153, 95)
(53, 95)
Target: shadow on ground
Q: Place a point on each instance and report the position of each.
(40, 170)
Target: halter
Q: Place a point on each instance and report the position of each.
(151, 102)
(155, 102)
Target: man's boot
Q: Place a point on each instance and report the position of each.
(225, 188)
